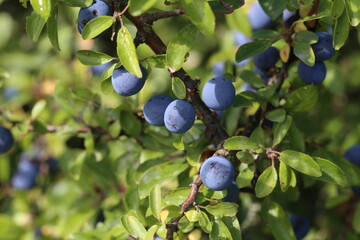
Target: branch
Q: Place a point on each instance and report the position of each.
(172, 226)
(152, 17)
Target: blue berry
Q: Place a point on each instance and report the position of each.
(301, 226)
(289, 17)
(352, 154)
(98, 8)
(125, 83)
(217, 173)
(266, 59)
(323, 49)
(312, 75)
(218, 93)
(154, 109)
(179, 116)
(258, 18)
(232, 193)
(97, 70)
(6, 139)
(219, 68)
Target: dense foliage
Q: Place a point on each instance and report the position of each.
(110, 108)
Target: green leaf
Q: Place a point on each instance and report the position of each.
(64, 99)
(277, 115)
(159, 174)
(157, 61)
(266, 182)
(151, 233)
(76, 166)
(287, 177)
(38, 108)
(223, 209)
(302, 99)
(232, 223)
(273, 8)
(353, 11)
(9, 230)
(39, 127)
(306, 37)
(130, 123)
(177, 196)
(205, 222)
(127, 52)
(24, 3)
(155, 201)
(337, 8)
(201, 15)
(213, 194)
(42, 7)
(192, 215)
(240, 143)
(233, 19)
(251, 49)
(323, 14)
(78, 3)
(356, 219)
(138, 7)
(96, 26)
(331, 172)
(106, 86)
(107, 73)
(179, 46)
(178, 88)
(281, 129)
(265, 34)
(52, 28)
(133, 226)
(220, 231)
(278, 221)
(301, 162)
(88, 57)
(305, 53)
(34, 26)
(252, 78)
(244, 178)
(341, 31)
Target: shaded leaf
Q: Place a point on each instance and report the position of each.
(34, 26)
(266, 182)
(279, 222)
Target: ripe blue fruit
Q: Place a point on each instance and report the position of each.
(98, 8)
(97, 70)
(219, 68)
(352, 154)
(218, 93)
(179, 116)
(312, 75)
(289, 17)
(266, 59)
(6, 139)
(301, 225)
(25, 177)
(154, 109)
(258, 18)
(217, 173)
(323, 49)
(232, 193)
(125, 83)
